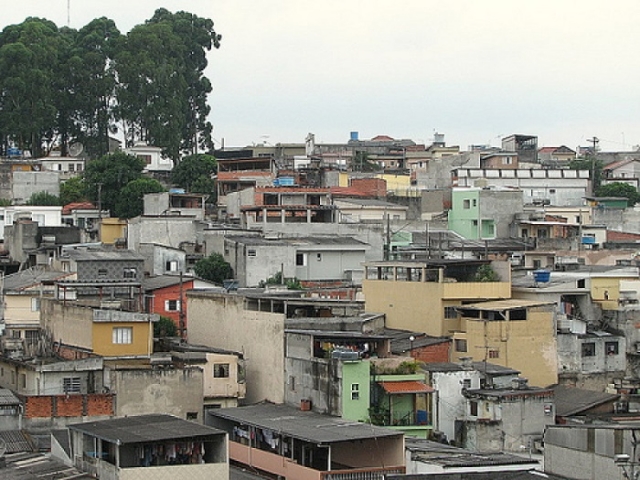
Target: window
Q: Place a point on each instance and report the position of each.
(589, 349)
(171, 305)
(72, 167)
(466, 204)
(466, 383)
(578, 219)
(220, 370)
(461, 345)
(450, 312)
(171, 266)
(16, 334)
(35, 304)
(355, 391)
(23, 380)
(473, 409)
(611, 348)
(122, 335)
(251, 252)
(301, 259)
(102, 272)
(292, 383)
(130, 273)
(71, 385)
(494, 354)
(319, 257)
(80, 167)
(475, 202)
(192, 415)
(145, 158)
(552, 190)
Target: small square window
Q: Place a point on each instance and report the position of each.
(450, 312)
(171, 266)
(102, 272)
(251, 252)
(171, 305)
(589, 349)
(461, 345)
(130, 273)
(611, 348)
(220, 370)
(494, 354)
(319, 257)
(466, 204)
(122, 335)
(35, 304)
(301, 259)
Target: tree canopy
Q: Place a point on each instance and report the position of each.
(619, 189)
(60, 85)
(195, 174)
(130, 201)
(213, 268)
(104, 178)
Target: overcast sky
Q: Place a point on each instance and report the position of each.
(474, 70)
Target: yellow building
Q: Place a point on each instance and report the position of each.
(109, 333)
(112, 229)
(423, 296)
(518, 334)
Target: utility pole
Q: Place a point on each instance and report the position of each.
(594, 142)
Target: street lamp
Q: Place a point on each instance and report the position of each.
(411, 339)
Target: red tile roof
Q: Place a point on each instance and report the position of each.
(406, 386)
(67, 209)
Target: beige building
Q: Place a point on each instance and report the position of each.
(423, 296)
(518, 334)
(248, 325)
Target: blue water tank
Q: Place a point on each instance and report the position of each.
(353, 136)
(176, 190)
(541, 275)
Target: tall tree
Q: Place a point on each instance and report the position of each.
(163, 91)
(29, 60)
(105, 177)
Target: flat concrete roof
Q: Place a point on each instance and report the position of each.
(307, 426)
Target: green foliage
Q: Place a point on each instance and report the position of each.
(276, 279)
(5, 202)
(106, 177)
(486, 274)
(60, 85)
(213, 268)
(361, 163)
(130, 202)
(72, 190)
(44, 199)
(593, 165)
(619, 189)
(405, 368)
(164, 328)
(195, 174)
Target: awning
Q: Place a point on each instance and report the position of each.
(406, 386)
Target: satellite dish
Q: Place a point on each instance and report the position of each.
(75, 149)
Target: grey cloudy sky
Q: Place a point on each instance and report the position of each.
(475, 70)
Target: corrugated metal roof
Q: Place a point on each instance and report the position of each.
(406, 386)
(303, 425)
(144, 428)
(8, 398)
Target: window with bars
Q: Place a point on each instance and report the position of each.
(171, 305)
(122, 335)
(71, 384)
(355, 391)
(220, 370)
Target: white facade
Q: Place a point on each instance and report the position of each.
(45, 216)
(562, 187)
(451, 404)
(70, 165)
(154, 159)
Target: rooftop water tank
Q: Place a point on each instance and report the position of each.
(541, 275)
